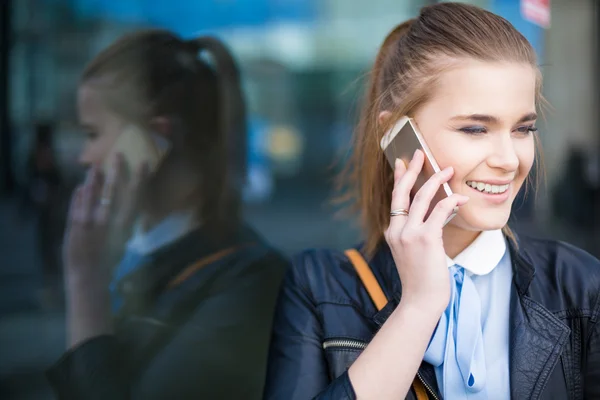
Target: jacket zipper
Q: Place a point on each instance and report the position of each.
(429, 389)
(347, 343)
(355, 344)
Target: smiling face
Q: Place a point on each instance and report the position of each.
(480, 121)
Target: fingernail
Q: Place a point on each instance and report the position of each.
(464, 198)
(415, 154)
(397, 164)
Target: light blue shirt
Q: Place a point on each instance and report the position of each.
(471, 359)
(142, 244)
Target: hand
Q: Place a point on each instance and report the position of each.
(101, 215)
(416, 240)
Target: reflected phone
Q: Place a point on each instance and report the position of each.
(401, 141)
(138, 146)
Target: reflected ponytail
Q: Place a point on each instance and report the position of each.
(232, 124)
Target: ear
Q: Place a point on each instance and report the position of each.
(384, 116)
(162, 126)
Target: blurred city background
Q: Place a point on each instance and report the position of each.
(303, 66)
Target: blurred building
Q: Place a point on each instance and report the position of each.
(303, 62)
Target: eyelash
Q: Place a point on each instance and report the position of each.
(91, 135)
(474, 130)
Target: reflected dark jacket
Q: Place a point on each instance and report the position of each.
(195, 325)
(554, 329)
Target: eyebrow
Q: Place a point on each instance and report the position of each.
(86, 126)
(490, 119)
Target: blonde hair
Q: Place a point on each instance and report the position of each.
(154, 73)
(410, 61)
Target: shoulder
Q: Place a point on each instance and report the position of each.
(312, 269)
(559, 254)
(564, 271)
(328, 276)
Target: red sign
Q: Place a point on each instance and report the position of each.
(536, 11)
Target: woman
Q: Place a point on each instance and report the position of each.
(473, 311)
(186, 313)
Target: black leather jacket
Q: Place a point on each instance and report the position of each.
(554, 330)
(206, 337)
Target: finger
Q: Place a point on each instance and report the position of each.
(75, 208)
(399, 170)
(422, 200)
(404, 182)
(443, 210)
(111, 182)
(90, 195)
(132, 192)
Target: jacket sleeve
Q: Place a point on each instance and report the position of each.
(297, 368)
(220, 352)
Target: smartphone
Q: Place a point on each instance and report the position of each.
(138, 146)
(401, 141)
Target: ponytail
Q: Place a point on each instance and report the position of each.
(379, 80)
(367, 164)
(232, 124)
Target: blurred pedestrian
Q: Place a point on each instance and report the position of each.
(170, 294)
(42, 196)
(573, 195)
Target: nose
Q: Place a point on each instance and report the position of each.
(504, 154)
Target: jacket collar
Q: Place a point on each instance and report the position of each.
(523, 268)
(537, 336)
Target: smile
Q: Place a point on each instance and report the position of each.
(488, 188)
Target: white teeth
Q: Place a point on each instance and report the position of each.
(487, 188)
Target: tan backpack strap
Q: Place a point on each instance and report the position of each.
(420, 390)
(367, 278)
(374, 289)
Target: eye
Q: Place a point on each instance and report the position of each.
(526, 129)
(474, 130)
(91, 135)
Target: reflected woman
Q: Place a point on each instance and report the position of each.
(169, 294)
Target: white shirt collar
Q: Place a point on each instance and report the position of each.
(173, 227)
(481, 256)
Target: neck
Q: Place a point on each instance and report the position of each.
(457, 239)
(173, 189)
(156, 208)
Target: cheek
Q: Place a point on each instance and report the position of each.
(458, 154)
(96, 151)
(526, 154)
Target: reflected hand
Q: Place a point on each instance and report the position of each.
(100, 219)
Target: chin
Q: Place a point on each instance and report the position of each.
(484, 220)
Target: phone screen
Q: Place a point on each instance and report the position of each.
(401, 141)
(137, 147)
